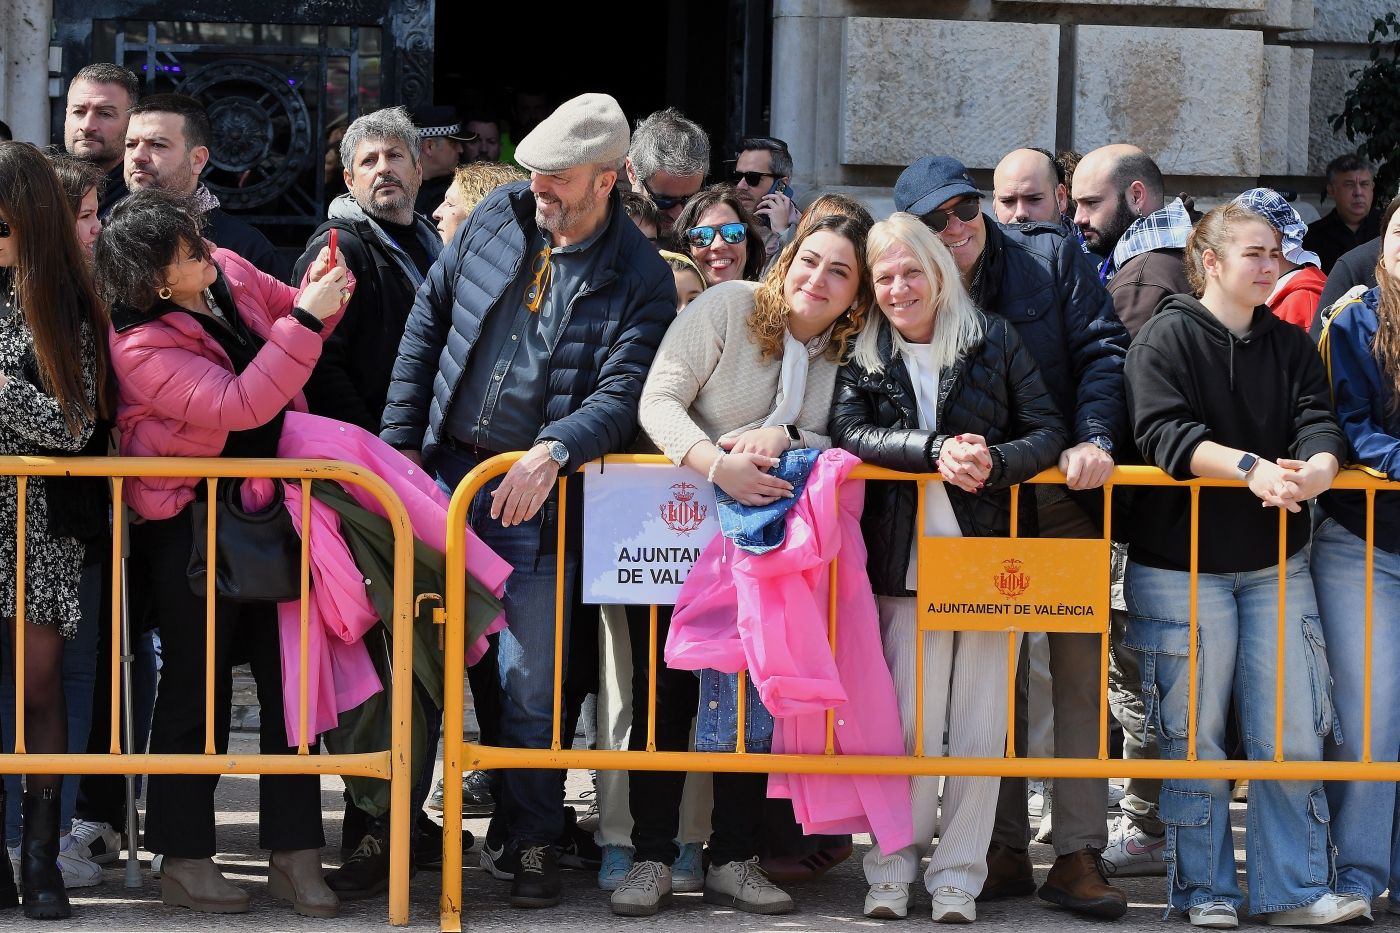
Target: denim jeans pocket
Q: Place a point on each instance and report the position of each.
(1325, 718)
(1321, 854)
(1190, 849)
(716, 727)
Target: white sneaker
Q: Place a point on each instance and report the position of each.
(744, 885)
(1132, 852)
(97, 841)
(888, 900)
(953, 905)
(1035, 798)
(1329, 908)
(1217, 915)
(78, 870)
(1115, 796)
(645, 890)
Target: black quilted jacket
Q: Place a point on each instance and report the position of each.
(996, 391)
(614, 325)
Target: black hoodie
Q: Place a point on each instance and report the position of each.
(1189, 380)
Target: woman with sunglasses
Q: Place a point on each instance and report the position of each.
(935, 385)
(209, 354)
(719, 234)
(53, 376)
(745, 374)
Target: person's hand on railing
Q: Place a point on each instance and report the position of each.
(1086, 466)
(965, 461)
(1303, 480)
(525, 487)
(1269, 481)
(745, 476)
(769, 442)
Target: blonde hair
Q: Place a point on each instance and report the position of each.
(768, 320)
(1213, 232)
(683, 263)
(478, 179)
(957, 325)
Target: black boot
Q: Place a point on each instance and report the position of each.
(9, 897)
(44, 896)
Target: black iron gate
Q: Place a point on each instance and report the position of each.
(279, 89)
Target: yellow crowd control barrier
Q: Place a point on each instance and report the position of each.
(391, 764)
(1078, 564)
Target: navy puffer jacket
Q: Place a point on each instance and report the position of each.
(610, 334)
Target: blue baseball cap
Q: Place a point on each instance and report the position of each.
(931, 181)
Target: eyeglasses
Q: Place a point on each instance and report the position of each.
(4, 230)
(732, 233)
(543, 273)
(753, 179)
(963, 210)
(663, 202)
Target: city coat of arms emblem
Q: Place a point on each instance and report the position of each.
(683, 514)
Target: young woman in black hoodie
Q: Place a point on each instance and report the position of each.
(1218, 388)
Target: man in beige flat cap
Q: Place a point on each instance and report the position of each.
(533, 332)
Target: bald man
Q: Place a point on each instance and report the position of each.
(1027, 187)
(1118, 193)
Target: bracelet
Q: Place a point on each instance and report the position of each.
(710, 477)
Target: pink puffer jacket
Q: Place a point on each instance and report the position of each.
(178, 395)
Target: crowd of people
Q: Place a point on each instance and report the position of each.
(603, 298)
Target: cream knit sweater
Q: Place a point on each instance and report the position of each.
(708, 380)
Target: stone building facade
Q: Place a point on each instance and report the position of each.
(1220, 92)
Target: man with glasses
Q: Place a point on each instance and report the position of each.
(668, 161)
(761, 175)
(533, 332)
(1036, 276)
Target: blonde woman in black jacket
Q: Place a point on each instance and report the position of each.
(934, 385)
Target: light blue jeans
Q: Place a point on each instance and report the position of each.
(1287, 845)
(1364, 813)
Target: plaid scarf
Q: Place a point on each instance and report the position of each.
(1166, 228)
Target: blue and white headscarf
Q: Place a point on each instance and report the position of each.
(1271, 205)
(1165, 228)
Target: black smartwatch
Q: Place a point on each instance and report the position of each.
(794, 435)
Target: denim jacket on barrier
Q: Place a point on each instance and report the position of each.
(759, 529)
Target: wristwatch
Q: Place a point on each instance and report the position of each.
(1246, 466)
(1102, 442)
(558, 453)
(793, 434)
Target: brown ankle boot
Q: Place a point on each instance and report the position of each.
(295, 875)
(1009, 873)
(198, 884)
(1076, 881)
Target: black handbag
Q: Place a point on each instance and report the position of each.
(259, 553)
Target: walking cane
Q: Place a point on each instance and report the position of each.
(128, 657)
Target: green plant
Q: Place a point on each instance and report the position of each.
(1372, 107)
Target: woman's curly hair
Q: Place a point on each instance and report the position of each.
(768, 321)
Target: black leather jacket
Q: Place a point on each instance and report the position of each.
(995, 390)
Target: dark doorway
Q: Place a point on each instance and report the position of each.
(710, 60)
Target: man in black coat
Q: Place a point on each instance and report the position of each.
(533, 332)
(1037, 277)
(94, 123)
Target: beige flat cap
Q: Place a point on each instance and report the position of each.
(590, 128)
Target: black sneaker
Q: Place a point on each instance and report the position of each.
(498, 859)
(536, 882)
(354, 825)
(427, 842)
(576, 846)
(365, 873)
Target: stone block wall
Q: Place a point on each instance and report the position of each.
(1220, 92)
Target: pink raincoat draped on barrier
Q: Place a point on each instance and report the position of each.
(340, 675)
(767, 614)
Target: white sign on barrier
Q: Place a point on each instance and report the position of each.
(644, 526)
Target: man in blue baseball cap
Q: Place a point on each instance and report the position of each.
(1036, 276)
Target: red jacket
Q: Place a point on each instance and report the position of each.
(1297, 294)
(178, 395)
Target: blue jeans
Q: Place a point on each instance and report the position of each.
(1287, 845)
(716, 728)
(759, 529)
(530, 807)
(1365, 818)
(79, 675)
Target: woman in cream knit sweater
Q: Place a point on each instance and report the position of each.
(744, 374)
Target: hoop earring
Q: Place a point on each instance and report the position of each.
(164, 292)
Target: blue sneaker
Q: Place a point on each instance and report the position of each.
(688, 870)
(617, 862)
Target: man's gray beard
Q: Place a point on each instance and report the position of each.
(569, 215)
(390, 211)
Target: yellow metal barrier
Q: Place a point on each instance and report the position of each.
(391, 764)
(459, 756)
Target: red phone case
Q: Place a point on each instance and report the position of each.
(333, 239)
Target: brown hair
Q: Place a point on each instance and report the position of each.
(1386, 346)
(52, 282)
(768, 320)
(478, 179)
(1213, 232)
(77, 176)
(829, 204)
(713, 196)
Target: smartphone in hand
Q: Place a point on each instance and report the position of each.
(333, 239)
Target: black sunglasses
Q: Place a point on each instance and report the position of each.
(753, 178)
(963, 210)
(662, 202)
(731, 233)
(4, 230)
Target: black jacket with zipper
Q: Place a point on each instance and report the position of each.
(994, 390)
(1191, 380)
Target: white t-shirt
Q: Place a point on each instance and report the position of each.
(939, 519)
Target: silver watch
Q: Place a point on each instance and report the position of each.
(559, 453)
